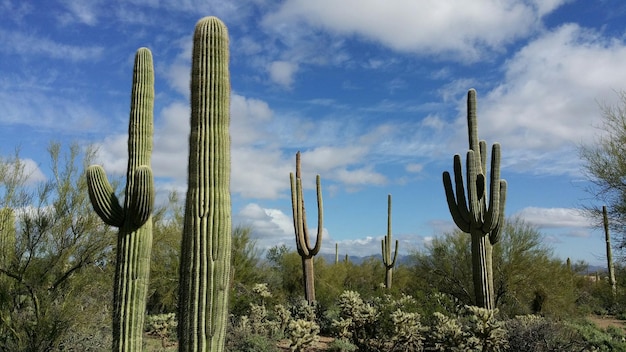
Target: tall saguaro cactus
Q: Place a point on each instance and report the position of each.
(478, 213)
(134, 241)
(609, 252)
(206, 243)
(303, 244)
(386, 248)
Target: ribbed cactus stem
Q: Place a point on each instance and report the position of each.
(134, 241)
(385, 243)
(7, 237)
(206, 243)
(472, 209)
(609, 252)
(303, 243)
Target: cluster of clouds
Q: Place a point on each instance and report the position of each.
(543, 102)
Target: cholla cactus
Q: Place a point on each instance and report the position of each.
(408, 331)
(486, 332)
(302, 334)
(446, 334)
(353, 306)
(283, 317)
(161, 325)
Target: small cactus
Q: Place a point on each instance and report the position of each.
(386, 249)
(303, 244)
(609, 253)
(134, 240)
(7, 237)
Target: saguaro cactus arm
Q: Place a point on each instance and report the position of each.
(303, 242)
(494, 235)
(142, 195)
(103, 198)
(386, 241)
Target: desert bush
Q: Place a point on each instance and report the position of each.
(380, 324)
(161, 325)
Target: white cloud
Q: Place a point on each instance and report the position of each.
(26, 44)
(545, 218)
(267, 223)
(282, 73)
(32, 172)
(431, 26)
(414, 168)
(548, 102)
(81, 11)
(42, 110)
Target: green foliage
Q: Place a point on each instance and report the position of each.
(595, 339)
(382, 324)
(341, 345)
(206, 244)
(162, 326)
(56, 290)
(296, 323)
(604, 164)
(527, 279)
(164, 269)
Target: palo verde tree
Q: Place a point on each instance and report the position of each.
(303, 243)
(134, 217)
(206, 245)
(56, 283)
(604, 164)
(478, 213)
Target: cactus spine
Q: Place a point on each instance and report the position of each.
(206, 243)
(134, 241)
(386, 248)
(303, 244)
(609, 253)
(472, 213)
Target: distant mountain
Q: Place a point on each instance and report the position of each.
(330, 258)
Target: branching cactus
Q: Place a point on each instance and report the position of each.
(473, 210)
(303, 244)
(385, 243)
(206, 243)
(134, 241)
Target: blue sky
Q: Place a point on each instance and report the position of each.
(372, 92)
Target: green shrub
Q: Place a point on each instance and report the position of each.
(341, 345)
